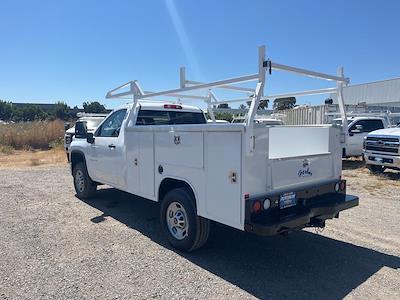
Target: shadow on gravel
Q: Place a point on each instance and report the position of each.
(352, 164)
(302, 265)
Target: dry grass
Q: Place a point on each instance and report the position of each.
(21, 158)
(31, 135)
(362, 180)
(6, 150)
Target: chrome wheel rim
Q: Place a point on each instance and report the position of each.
(177, 221)
(80, 181)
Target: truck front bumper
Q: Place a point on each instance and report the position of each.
(389, 161)
(314, 206)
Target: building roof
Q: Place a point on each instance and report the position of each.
(385, 92)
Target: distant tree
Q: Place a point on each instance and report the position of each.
(242, 106)
(223, 105)
(262, 105)
(94, 107)
(328, 101)
(29, 112)
(5, 110)
(284, 103)
(61, 110)
(224, 116)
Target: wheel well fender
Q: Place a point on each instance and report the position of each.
(168, 184)
(76, 157)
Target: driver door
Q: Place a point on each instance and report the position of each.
(108, 151)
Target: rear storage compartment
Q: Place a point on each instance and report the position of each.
(302, 185)
(302, 155)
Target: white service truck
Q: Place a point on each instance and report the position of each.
(382, 150)
(358, 128)
(262, 179)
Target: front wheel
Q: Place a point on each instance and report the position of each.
(84, 186)
(183, 228)
(375, 169)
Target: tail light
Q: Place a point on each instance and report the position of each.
(256, 207)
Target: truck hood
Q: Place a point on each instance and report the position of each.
(395, 131)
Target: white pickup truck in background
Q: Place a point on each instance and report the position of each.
(262, 179)
(382, 150)
(92, 121)
(358, 128)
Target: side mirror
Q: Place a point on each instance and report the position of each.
(90, 137)
(80, 130)
(67, 126)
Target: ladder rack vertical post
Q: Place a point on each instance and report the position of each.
(342, 108)
(249, 135)
(209, 106)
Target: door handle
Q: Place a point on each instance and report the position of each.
(111, 146)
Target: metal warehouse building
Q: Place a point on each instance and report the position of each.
(378, 93)
(373, 97)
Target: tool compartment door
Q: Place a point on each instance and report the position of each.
(223, 153)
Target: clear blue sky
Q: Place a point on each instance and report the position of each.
(76, 51)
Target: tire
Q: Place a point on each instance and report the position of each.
(84, 186)
(374, 169)
(182, 227)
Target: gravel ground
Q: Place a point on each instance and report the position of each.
(55, 246)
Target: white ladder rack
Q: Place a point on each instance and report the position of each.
(205, 91)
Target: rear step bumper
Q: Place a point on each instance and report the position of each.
(312, 213)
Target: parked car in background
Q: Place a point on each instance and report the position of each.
(381, 150)
(358, 128)
(92, 121)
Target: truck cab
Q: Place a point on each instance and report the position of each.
(358, 128)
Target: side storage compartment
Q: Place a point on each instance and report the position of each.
(223, 154)
(140, 163)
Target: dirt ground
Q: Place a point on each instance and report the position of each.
(20, 158)
(55, 246)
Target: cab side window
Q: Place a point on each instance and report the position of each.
(368, 125)
(112, 125)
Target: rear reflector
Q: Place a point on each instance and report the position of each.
(342, 185)
(172, 106)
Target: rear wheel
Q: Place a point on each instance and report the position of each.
(182, 227)
(84, 186)
(376, 169)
